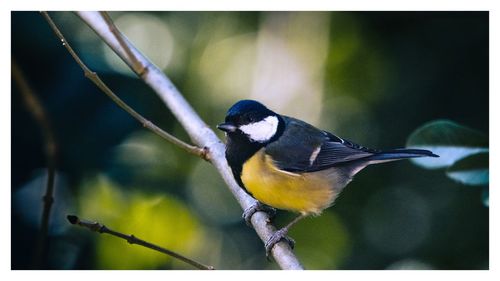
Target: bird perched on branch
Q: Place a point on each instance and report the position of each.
(286, 163)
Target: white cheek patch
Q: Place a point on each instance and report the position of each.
(261, 131)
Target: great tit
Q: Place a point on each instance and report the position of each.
(286, 163)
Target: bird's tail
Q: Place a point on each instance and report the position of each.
(397, 154)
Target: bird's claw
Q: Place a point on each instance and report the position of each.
(277, 237)
(248, 213)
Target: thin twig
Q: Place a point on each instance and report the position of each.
(98, 227)
(36, 109)
(201, 152)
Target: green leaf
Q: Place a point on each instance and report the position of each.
(471, 170)
(447, 139)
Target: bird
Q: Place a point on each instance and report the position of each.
(285, 163)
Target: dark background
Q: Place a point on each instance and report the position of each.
(406, 68)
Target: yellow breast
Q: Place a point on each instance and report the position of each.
(306, 193)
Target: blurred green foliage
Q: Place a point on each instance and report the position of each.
(463, 151)
(155, 218)
(372, 77)
(471, 170)
(449, 140)
(322, 249)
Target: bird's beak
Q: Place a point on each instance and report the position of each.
(227, 127)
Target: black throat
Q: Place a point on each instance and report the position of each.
(239, 149)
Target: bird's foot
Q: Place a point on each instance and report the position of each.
(277, 237)
(257, 207)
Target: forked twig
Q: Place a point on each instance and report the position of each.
(201, 152)
(136, 64)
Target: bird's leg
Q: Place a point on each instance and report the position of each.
(281, 235)
(248, 213)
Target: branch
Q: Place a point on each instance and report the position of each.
(137, 67)
(199, 132)
(35, 107)
(201, 152)
(97, 227)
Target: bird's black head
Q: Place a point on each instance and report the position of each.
(251, 121)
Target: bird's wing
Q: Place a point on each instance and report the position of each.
(304, 148)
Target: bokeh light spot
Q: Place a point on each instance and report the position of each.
(211, 197)
(150, 34)
(323, 242)
(396, 221)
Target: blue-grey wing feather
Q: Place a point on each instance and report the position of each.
(297, 149)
